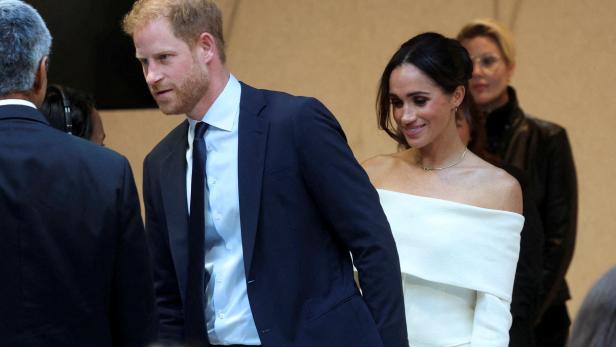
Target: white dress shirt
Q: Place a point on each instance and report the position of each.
(21, 102)
(228, 315)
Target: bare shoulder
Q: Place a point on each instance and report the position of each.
(387, 169)
(504, 191)
(491, 187)
(376, 162)
(378, 166)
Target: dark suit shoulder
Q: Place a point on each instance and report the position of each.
(271, 95)
(174, 138)
(34, 129)
(276, 97)
(283, 105)
(77, 149)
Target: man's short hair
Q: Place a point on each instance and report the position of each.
(24, 41)
(188, 18)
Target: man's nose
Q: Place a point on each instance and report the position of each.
(152, 75)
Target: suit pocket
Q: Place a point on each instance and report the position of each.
(314, 310)
(345, 323)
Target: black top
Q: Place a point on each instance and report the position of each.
(542, 150)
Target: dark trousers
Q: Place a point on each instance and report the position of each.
(522, 333)
(553, 329)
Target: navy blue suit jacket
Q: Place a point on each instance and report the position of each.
(75, 266)
(305, 206)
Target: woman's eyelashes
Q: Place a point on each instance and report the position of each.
(395, 102)
(420, 100)
(416, 100)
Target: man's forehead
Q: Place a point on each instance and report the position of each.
(152, 35)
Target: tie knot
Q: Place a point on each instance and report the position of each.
(200, 129)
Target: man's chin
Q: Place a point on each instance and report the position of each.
(169, 109)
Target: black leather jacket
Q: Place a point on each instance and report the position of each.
(529, 271)
(542, 150)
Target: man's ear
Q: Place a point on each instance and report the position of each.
(207, 44)
(39, 88)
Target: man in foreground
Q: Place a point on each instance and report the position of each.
(75, 266)
(255, 203)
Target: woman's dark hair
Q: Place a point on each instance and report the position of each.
(79, 118)
(595, 322)
(442, 59)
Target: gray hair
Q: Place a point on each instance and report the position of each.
(24, 41)
(595, 322)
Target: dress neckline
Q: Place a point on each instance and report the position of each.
(455, 203)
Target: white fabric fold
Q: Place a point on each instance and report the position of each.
(458, 244)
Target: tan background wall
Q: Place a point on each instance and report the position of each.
(336, 50)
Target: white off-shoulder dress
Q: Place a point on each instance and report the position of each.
(458, 263)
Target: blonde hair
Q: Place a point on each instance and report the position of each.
(494, 30)
(188, 18)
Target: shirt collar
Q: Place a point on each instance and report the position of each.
(16, 102)
(223, 114)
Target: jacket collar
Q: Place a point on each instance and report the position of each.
(252, 139)
(502, 122)
(24, 102)
(253, 131)
(15, 111)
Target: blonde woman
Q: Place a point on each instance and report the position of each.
(542, 150)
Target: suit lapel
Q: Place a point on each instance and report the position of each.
(173, 188)
(253, 130)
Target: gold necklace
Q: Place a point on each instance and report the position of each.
(425, 168)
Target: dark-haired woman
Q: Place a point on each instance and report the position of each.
(456, 218)
(74, 112)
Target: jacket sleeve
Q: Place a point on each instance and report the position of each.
(351, 205)
(560, 215)
(168, 299)
(133, 313)
(528, 276)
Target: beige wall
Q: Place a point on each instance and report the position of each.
(336, 50)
